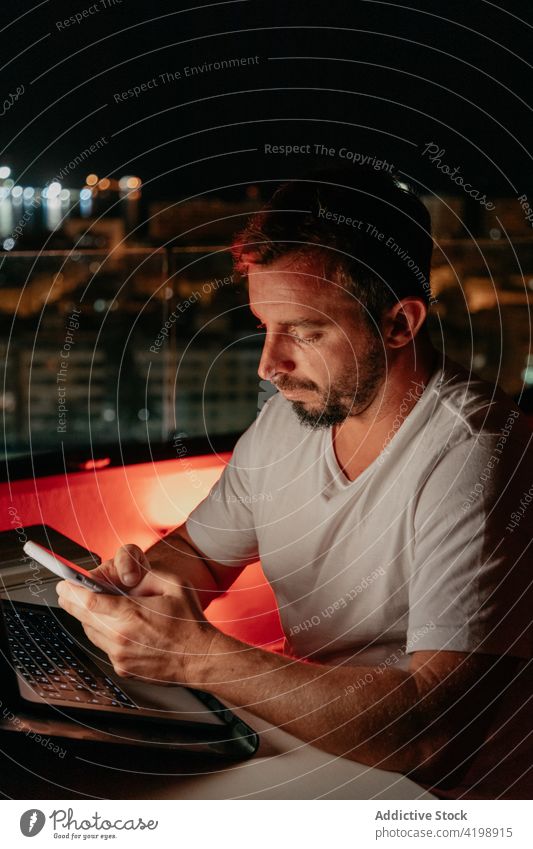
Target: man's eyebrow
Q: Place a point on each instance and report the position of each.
(302, 322)
(305, 322)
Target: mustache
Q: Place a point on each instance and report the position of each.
(289, 386)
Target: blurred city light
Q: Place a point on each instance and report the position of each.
(129, 182)
(54, 189)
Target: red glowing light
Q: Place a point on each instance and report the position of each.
(91, 465)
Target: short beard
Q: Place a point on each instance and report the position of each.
(348, 397)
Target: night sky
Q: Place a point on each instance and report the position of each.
(376, 78)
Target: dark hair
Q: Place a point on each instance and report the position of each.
(370, 229)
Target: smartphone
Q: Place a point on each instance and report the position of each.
(69, 571)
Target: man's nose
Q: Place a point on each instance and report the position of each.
(275, 356)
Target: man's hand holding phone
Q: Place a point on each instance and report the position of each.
(146, 639)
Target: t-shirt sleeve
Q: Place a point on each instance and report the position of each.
(222, 525)
(471, 586)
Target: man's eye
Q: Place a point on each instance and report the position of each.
(301, 340)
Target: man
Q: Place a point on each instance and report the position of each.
(388, 477)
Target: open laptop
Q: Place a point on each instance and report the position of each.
(53, 677)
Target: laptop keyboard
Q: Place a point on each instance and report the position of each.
(52, 665)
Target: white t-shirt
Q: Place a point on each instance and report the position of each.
(426, 549)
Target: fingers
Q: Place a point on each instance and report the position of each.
(108, 645)
(131, 563)
(102, 617)
(126, 569)
(87, 606)
(98, 639)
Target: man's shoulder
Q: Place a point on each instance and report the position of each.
(474, 437)
(466, 406)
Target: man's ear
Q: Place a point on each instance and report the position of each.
(402, 322)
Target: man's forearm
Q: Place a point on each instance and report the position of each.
(338, 709)
(175, 558)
